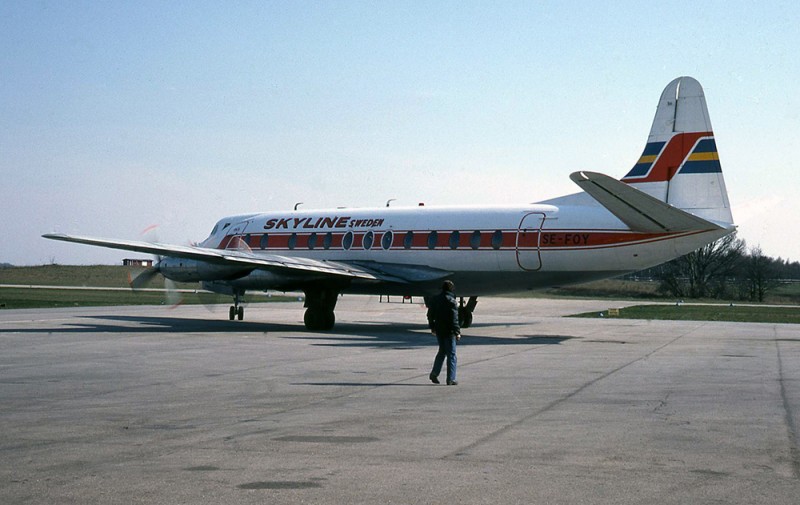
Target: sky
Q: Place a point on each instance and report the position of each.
(115, 116)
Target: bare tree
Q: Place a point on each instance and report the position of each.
(703, 273)
(758, 274)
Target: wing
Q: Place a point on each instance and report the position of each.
(640, 211)
(235, 257)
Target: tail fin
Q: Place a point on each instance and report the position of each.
(680, 164)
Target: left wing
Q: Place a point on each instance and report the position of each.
(236, 257)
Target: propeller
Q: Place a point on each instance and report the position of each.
(172, 296)
(144, 278)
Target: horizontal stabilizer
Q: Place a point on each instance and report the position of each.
(640, 211)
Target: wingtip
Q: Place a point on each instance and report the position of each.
(585, 176)
(577, 176)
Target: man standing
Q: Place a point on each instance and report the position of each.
(443, 322)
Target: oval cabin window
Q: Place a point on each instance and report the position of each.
(497, 239)
(455, 238)
(408, 241)
(386, 240)
(475, 239)
(433, 238)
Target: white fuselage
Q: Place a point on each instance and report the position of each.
(486, 250)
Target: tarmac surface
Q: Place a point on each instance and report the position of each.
(152, 405)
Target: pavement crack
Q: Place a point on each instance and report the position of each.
(465, 450)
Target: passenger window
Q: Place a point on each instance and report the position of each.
(328, 240)
(292, 240)
(475, 239)
(312, 241)
(497, 239)
(264, 241)
(386, 240)
(455, 238)
(347, 242)
(408, 241)
(433, 238)
(369, 238)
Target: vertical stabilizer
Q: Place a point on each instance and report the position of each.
(680, 164)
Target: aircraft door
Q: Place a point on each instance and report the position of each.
(528, 235)
(240, 240)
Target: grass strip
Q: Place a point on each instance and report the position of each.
(685, 312)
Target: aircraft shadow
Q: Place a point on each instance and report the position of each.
(157, 324)
(363, 334)
(405, 336)
(362, 384)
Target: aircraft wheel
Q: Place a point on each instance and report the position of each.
(232, 313)
(312, 320)
(318, 320)
(240, 313)
(329, 320)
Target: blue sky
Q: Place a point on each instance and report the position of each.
(116, 116)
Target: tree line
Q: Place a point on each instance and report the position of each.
(726, 268)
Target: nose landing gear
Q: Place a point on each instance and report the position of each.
(236, 311)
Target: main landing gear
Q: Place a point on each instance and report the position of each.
(465, 311)
(319, 304)
(236, 311)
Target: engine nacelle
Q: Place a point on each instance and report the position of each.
(188, 270)
(265, 279)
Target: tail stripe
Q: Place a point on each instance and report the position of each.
(669, 159)
(650, 154)
(704, 159)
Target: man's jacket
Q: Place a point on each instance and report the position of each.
(443, 314)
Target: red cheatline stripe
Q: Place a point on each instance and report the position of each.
(511, 240)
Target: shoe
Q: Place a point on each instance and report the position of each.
(433, 379)
(452, 383)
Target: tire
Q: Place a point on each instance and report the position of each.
(312, 320)
(319, 321)
(329, 320)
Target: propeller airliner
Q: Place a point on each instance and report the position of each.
(670, 203)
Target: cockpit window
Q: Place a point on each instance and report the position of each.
(214, 231)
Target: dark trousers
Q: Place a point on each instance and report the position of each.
(447, 349)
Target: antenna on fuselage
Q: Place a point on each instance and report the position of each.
(390, 200)
(297, 205)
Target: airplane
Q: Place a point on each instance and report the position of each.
(673, 201)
